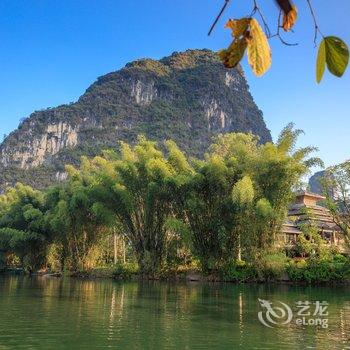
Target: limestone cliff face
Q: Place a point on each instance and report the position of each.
(34, 150)
(144, 92)
(188, 97)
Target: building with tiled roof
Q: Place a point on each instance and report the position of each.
(306, 210)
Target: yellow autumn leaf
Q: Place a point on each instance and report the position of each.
(232, 56)
(234, 53)
(289, 19)
(259, 53)
(238, 26)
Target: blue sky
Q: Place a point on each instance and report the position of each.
(51, 51)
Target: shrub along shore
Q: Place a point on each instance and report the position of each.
(279, 269)
(148, 210)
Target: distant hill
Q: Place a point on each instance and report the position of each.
(315, 185)
(188, 97)
(315, 181)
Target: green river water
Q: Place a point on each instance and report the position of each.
(54, 313)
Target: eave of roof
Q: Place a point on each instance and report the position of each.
(309, 195)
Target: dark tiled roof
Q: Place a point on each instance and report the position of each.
(290, 229)
(309, 194)
(309, 214)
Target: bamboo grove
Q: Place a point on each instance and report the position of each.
(170, 210)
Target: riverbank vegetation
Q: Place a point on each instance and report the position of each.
(150, 210)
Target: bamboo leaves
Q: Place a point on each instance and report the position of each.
(334, 53)
(243, 191)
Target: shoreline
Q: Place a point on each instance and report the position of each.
(170, 278)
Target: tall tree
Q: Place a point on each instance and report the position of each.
(138, 185)
(79, 222)
(23, 227)
(336, 184)
(236, 202)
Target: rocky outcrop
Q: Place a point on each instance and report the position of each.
(188, 96)
(35, 150)
(144, 93)
(216, 117)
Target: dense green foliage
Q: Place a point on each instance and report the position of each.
(76, 220)
(138, 185)
(222, 213)
(335, 182)
(23, 226)
(237, 199)
(315, 270)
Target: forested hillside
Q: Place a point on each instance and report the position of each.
(187, 97)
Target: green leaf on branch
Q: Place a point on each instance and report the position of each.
(337, 55)
(333, 52)
(321, 61)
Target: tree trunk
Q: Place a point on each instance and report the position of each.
(115, 247)
(124, 251)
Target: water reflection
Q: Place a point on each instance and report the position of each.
(49, 313)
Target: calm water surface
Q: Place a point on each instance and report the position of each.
(49, 313)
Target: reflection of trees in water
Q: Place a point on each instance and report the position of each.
(155, 311)
(150, 313)
(338, 331)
